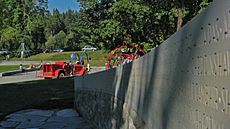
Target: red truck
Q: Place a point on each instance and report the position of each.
(62, 69)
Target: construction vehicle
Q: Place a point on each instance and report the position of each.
(124, 54)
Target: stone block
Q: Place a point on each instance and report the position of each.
(67, 120)
(32, 124)
(44, 113)
(67, 113)
(25, 117)
(53, 125)
(9, 124)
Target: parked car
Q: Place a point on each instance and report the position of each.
(89, 48)
(45, 51)
(37, 51)
(4, 52)
(58, 50)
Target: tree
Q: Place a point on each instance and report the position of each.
(9, 38)
(101, 23)
(51, 42)
(127, 18)
(60, 39)
(55, 23)
(69, 18)
(88, 26)
(20, 15)
(70, 43)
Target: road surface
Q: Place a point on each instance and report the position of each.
(30, 76)
(21, 77)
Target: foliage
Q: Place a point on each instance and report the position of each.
(8, 37)
(100, 23)
(51, 42)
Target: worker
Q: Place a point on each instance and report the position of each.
(70, 62)
(71, 67)
(88, 67)
(67, 67)
(40, 65)
(31, 66)
(21, 68)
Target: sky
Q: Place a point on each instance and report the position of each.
(63, 5)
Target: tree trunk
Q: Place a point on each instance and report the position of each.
(180, 19)
(180, 14)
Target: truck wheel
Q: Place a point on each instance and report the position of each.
(61, 75)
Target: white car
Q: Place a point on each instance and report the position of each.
(58, 50)
(88, 48)
(4, 51)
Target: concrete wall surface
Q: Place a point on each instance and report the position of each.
(182, 84)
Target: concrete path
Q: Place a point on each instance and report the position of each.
(44, 119)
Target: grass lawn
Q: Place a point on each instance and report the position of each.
(5, 68)
(97, 57)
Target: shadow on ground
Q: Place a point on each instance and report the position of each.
(42, 94)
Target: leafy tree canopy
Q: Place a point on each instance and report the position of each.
(100, 23)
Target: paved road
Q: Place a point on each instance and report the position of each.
(29, 76)
(21, 77)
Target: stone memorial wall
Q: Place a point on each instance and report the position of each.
(182, 84)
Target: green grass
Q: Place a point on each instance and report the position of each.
(5, 68)
(96, 57)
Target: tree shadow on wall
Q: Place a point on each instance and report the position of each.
(103, 101)
(134, 76)
(121, 82)
(179, 72)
